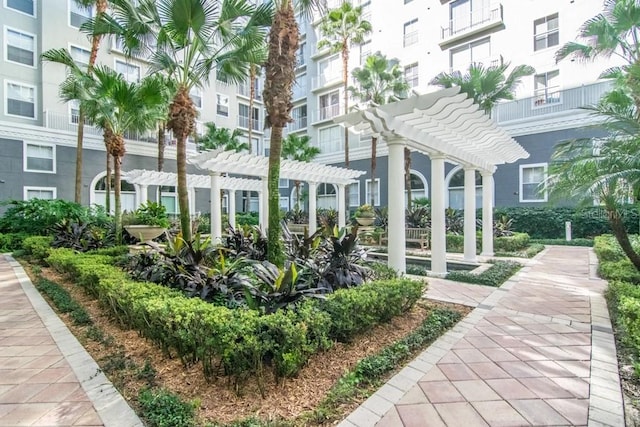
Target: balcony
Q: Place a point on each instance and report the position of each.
(326, 113)
(244, 89)
(243, 122)
(297, 124)
(493, 61)
(319, 82)
(551, 101)
(410, 38)
(477, 21)
(300, 89)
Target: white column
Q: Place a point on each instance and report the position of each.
(397, 241)
(469, 214)
(216, 208)
(144, 194)
(313, 220)
(136, 187)
(438, 224)
(192, 200)
(342, 222)
(231, 207)
(487, 214)
(264, 209)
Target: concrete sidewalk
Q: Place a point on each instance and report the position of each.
(539, 350)
(46, 377)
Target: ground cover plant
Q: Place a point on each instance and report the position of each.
(495, 275)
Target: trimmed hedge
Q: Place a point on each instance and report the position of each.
(38, 246)
(242, 340)
(495, 275)
(562, 242)
(517, 242)
(9, 242)
(614, 264)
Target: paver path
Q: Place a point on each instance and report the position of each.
(537, 351)
(46, 377)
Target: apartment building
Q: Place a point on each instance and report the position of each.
(428, 37)
(38, 131)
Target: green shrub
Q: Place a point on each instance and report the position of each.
(382, 271)
(357, 309)
(162, 408)
(516, 242)
(619, 270)
(63, 301)
(11, 241)
(37, 246)
(564, 242)
(455, 243)
(608, 249)
(495, 275)
(112, 251)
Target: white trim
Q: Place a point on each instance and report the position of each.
(376, 201)
(6, 100)
(43, 144)
(319, 140)
(69, 2)
(70, 105)
(447, 185)
(218, 104)
(351, 201)
(292, 196)
(545, 192)
(281, 180)
(6, 44)
(35, 9)
(116, 61)
(26, 189)
(424, 182)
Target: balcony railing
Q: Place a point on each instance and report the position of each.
(243, 122)
(323, 80)
(494, 61)
(300, 89)
(551, 101)
(327, 113)
(476, 20)
(410, 38)
(245, 90)
(297, 124)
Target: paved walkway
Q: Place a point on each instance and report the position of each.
(539, 350)
(46, 376)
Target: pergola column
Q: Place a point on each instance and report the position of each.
(313, 220)
(341, 207)
(487, 214)
(396, 233)
(216, 208)
(143, 194)
(264, 205)
(438, 223)
(231, 207)
(469, 214)
(191, 191)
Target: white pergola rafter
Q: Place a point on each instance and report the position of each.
(147, 177)
(447, 126)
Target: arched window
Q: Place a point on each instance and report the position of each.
(98, 193)
(169, 199)
(327, 196)
(418, 187)
(456, 189)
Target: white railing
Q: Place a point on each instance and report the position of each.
(410, 38)
(494, 61)
(243, 122)
(551, 101)
(327, 113)
(323, 80)
(297, 124)
(244, 89)
(475, 20)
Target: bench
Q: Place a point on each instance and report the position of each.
(412, 235)
(298, 228)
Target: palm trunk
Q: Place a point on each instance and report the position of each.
(107, 201)
(79, 144)
(619, 230)
(183, 192)
(345, 76)
(407, 175)
(161, 142)
(117, 161)
(374, 142)
(252, 94)
(297, 185)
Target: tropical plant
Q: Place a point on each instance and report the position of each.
(485, 85)
(297, 147)
(221, 138)
(279, 78)
(81, 236)
(365, 211)
(39, 216)
(339, 29)
(189, 40)
(380, 81)
(149, 213)
(343, 265)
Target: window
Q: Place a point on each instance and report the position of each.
(461, 57)
(130, 72)
(299, 116)
(418, 190)
(410, 32)
(79, 15)
(300, 55)
(284, 203)
(27, 7)
(532, 188)
(547, 88)
(196, 96)
(20, 47)
(243, 117)
(283, 183)
(74, 112)
(467, 14)
(376, 192)
(39, 158)
(365, 51)
(80, 56)
(222, 105)
(411, 75)
(326, 196)
(169, 199)
(354, 194)
(366, 10)
(45, 193)
(545, 32)
(300, 87)
(329, 105)
(20, 100)
(329, 69)
(330, 140)
(456, 189)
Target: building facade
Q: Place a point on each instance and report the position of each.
(38, 131)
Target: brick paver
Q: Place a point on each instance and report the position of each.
(537, 351)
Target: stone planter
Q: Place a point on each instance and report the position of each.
(365, 221)
(144, 233)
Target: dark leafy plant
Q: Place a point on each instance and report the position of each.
(341, 267)
(80, 236)
(503, 226)
(454, 221)
(297, 216)
(418, 217)
(327, 218)
(382, 217)
(246, 241)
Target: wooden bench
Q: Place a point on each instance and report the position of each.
(297, 228)
(412, 235)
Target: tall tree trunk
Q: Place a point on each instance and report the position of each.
(374, 142)
(117, 163)
(619, 230)
(252, 94)
(280, 75)
(107, 183)
(345, 77)
(161, 145)
(296, 183)
(407, 175)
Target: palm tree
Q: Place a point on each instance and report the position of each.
(283, 43)
(188, 41)
(298, 148)
(380, 80)
(486, 85)
(220, 137)
(340, 28)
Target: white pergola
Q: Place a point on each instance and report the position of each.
(218, 162)
(143, 178)
(447, 126)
